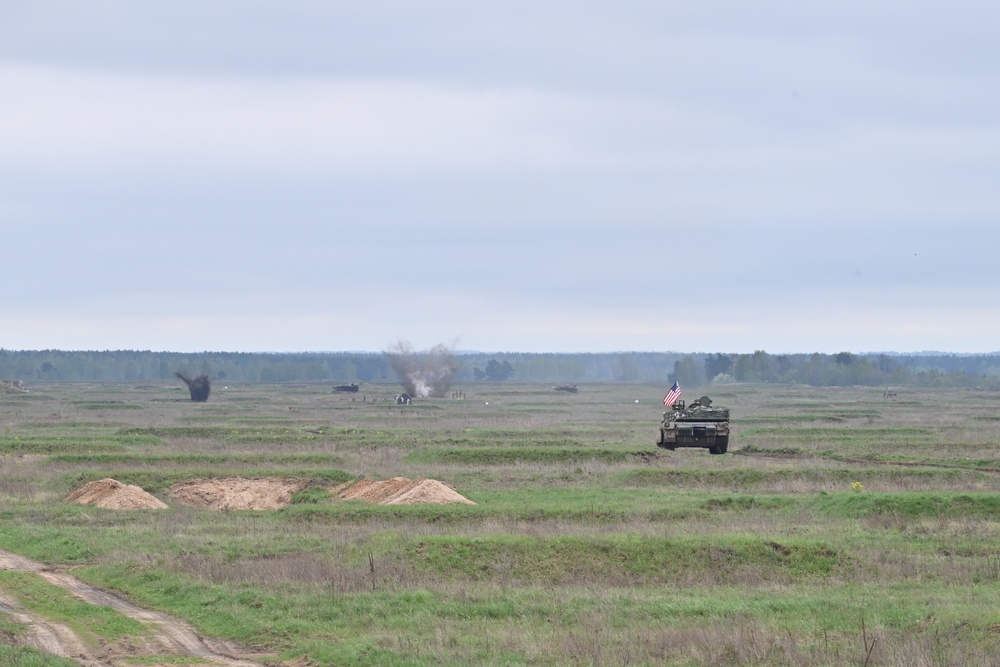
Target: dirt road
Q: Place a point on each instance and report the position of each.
(169, 636)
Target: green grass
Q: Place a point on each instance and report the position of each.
(19, 656)
(13, 655)
(587, 545)
(508, 455)
(841, 435)
(57, 444)
(626, 560)
(52, 602)
(312, 495)
(197, 459)
(912, 505)
(365, 627)
(235, 434)
(77, 539)
(107, 405)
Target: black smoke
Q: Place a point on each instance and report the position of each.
(199, 387)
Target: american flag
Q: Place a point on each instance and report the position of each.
(672, 395)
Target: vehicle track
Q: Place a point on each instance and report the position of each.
(170, 636)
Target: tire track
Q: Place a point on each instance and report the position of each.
(51, 637)
(174, 636)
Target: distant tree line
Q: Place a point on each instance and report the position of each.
(841, 369)
(691, 370)
(496, 371)
(147, 366)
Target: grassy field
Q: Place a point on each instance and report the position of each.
(841, 529)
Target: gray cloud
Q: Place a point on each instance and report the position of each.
(536, 176)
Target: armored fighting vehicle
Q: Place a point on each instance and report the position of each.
(695, 425)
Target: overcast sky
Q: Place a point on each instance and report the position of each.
(532, 176)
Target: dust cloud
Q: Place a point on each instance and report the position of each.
(423, 374)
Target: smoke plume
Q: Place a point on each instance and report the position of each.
(199, 386)
(423, 373)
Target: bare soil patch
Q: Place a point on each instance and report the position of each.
(238, 493)
(112, 494)
(400, 491)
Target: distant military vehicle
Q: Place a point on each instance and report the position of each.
(695, 425)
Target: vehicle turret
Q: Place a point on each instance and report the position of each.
(699, 424)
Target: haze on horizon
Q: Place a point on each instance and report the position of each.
(517, 176)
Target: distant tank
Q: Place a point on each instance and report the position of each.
(695, 425)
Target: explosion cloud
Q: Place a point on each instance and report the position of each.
(423, 373)
(199, 386)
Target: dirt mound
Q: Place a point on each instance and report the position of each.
(400, 491)
(112, 494)
(237, 493)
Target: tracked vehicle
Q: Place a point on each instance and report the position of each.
(696, 425)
